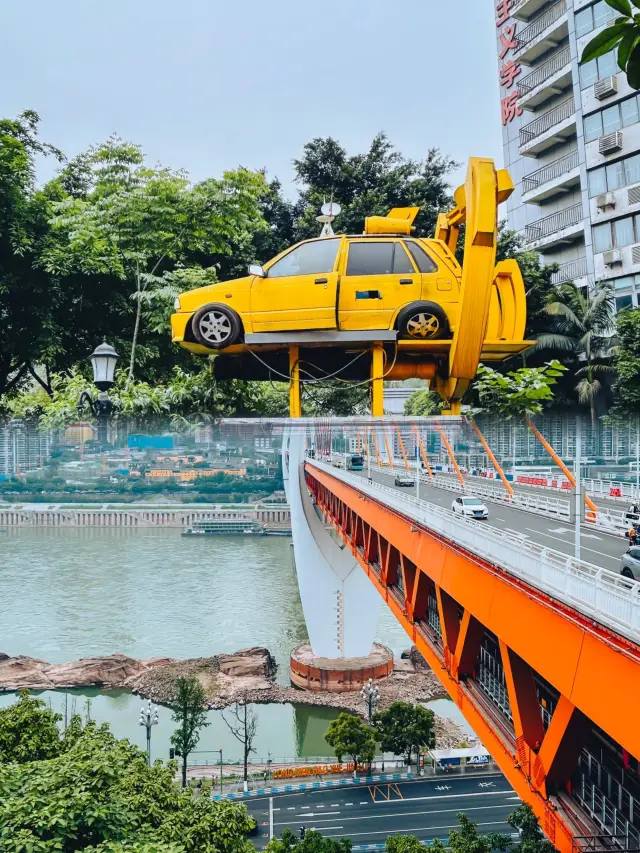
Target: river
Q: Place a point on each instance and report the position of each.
(72, 593)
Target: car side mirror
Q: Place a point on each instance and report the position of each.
(256, 269)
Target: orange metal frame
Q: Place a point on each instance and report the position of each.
(492, 457)
(422, 452)
(402, 449)
(596, 672)
(447, 444)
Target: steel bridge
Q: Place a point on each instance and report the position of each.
(538, 650)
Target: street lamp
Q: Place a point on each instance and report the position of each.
(371, 696)
(103, 362)
(148, 719)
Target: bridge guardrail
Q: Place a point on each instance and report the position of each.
(604, 596)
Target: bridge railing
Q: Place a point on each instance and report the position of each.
(604, 596)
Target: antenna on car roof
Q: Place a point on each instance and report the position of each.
(328, 212)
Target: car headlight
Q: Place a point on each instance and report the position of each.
(176, 303)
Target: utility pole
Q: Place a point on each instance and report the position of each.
(417, 470)
(637, 459)
(578, 475)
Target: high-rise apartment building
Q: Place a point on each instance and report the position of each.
(571, 136)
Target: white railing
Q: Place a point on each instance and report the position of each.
(604, 596)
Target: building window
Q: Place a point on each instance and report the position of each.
(622, 232)
(602, 237)
(611, 119)
(593, 17)
(597, 69)
(615, 175)
(626, 291)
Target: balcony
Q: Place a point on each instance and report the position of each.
(547, 80)
(571, 271)
(556, 125)
(543, 33)
(566, 226)
(524, 10)
(553, 179)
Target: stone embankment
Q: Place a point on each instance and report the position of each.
(246, 676)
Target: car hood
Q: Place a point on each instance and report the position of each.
(191, 300)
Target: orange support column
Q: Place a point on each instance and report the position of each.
(403, 451)
(525, 706)
(375, 446)
(470, 638)
(491, 456)
(543, 441)
(422, 453)
(562, 745)
(445, 441)
(386, 445)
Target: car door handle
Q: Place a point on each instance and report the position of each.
(406, 281)
(321, 281)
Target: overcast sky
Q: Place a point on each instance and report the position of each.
(211, 84)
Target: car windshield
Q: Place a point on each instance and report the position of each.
(472, 502)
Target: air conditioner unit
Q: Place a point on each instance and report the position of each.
(610, 142)
(612, 257)
(606, 87)
(605, 200)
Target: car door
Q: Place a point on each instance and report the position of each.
(379, 276)
(299, 290)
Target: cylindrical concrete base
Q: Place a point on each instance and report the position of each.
(339, 675)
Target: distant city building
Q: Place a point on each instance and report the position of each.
(571, 139)
(76, 434)
(23, 447)
(150, 442)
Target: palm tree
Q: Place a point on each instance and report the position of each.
(583, 323)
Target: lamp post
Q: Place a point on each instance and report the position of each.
(371, 696)
(103, 362)
(220, 751)
(148, 719)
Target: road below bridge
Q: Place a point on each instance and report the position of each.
(368, 813)
(601, 549)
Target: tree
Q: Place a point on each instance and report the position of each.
(189, 707)
(468, 840)
(135, 223)
(626, 364)
(518, 393)
(349, 735)
(582, 325)
(243, 725)
(405, 728)
(404, 844)
(313, 842)
(28, 731)
(368, 184)
(623, 34)
(423, 403)
(532, 840)
(99, 794)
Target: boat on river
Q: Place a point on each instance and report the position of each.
(225, 527)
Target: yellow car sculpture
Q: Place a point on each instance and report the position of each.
(384, 279)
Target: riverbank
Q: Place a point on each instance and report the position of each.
(247, 676)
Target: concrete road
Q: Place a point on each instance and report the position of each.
(369, 813)
(601, 549)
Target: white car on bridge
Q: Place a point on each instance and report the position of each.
(470, 507)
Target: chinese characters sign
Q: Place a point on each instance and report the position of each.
(510, 70)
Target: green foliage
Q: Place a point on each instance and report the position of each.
(519, 392)
(349, 735)
(467, 839)
(403, 844)
(405, 728)
(623, 34)
(423, 403)
(581, 326)
(532, 840)
(313, 842)
(626, 364)
(368, 184)
(28, 731)
(190, 713)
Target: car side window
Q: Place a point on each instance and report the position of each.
(423, 261)
(635, 553)
(312, 258)
(401, 261)
(370, 258)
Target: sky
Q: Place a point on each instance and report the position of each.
(208, 85)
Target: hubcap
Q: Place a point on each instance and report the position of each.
(215, 327)
(423, 325)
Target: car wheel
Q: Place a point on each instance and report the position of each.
(422, 321)
(627, 573)
(216, 326)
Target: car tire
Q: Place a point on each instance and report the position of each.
(422, 321)
(216, 326)
(627, 573)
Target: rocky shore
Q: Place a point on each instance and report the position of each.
(247, 675)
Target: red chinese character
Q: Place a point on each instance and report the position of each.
(503, 10)
(508, 39)
(510, 108)
(508, 73)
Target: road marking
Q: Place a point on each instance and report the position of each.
(557, 529)
(304, 807)
(443, 787)
(592, 550)
(319, 807)
(486, 784)
(275, 810)
(405, 814)
(413, 831)
(365, 803)
(313, 828)
(348, 804)
(519, 532)
(334, 805)
(591, 536)
(291, 808)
